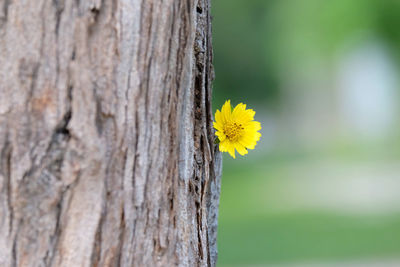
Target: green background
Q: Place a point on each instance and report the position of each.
(297, 64)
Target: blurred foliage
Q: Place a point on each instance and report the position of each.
(258, 43)
(304, 236)
(256, 228)
(259, 46)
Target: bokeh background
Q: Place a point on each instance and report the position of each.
(322, 188)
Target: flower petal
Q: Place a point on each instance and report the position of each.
(232, 151)
(219, 118)
(253, 125)
(218, 126)
(243, 115)
(227, 111)
(224, 145)
(221, 136)
(247, 142)
(238, 110)
(240, 149)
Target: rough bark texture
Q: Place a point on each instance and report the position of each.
(106, 139)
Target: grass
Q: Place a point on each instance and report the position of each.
(253, 229)
(304, 237)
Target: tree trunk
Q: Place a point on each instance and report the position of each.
(106, 140)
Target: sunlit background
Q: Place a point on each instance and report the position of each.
(322, 188)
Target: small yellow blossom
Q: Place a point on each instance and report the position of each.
(236, 129)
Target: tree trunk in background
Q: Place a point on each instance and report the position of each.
(106, 139)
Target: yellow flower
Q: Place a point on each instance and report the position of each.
(236, 129)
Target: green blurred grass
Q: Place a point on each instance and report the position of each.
(307, 236)
(252, 229)
(261, 47)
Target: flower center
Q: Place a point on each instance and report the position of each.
(233, 131)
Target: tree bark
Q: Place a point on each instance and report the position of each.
(106, 140)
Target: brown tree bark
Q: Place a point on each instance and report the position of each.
(106, 140)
